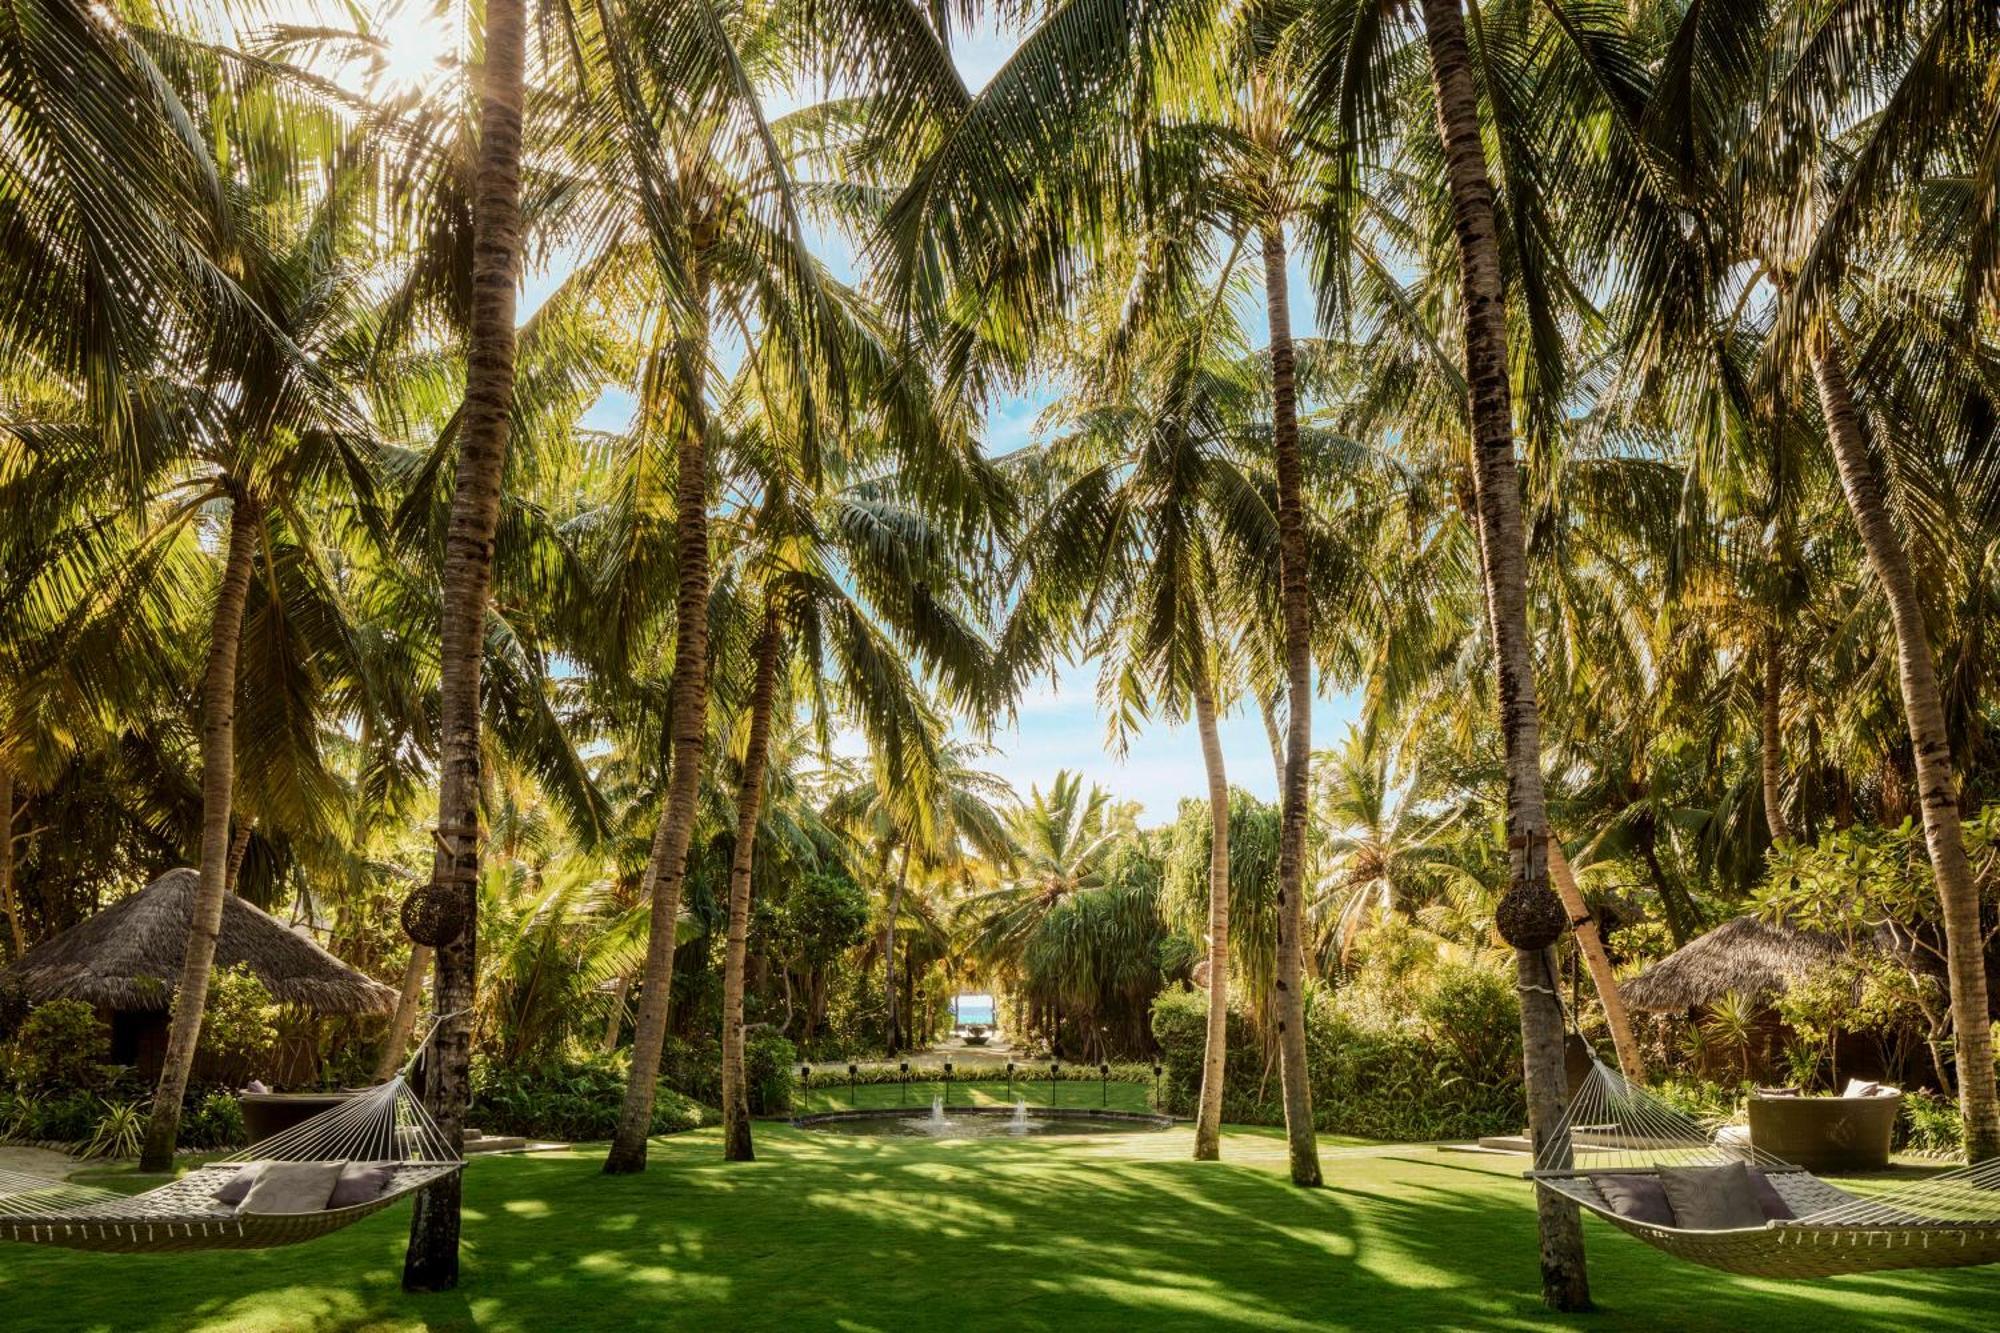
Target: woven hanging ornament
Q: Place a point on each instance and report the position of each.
(1530, 918)
(434, 914)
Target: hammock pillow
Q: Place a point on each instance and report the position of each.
(1640, 1198)
(361, 1182)
(1712, 1198)
(292, 1187)
(1773, 1203)
(237, 1188)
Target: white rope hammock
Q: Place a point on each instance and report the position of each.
(1613, 1127)
(387, 1124)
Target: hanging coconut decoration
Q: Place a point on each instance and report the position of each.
(434, 914)
(1530, 918)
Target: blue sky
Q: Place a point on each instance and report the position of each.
(1059, 726)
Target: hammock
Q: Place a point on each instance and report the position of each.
(1614, 1128)
(386, 1124)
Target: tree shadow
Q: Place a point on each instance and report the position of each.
(826, 1231)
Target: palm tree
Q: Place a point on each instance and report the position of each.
(267, 433)
(939, 827)
(1075, 922)
(431, 1263)
(719, 217)
(1353, 72)
(1055, 159)
(1738, 173)
(1147, 526)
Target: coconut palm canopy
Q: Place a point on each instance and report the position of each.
(1752, 958)
(127, 956)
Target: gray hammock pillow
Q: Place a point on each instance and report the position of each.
(361, 1182)
(1712, 1198)
(237, 1188)
(1638, 1197)
(292, 1187)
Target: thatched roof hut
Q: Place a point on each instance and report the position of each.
(127, 958)
(1753, 958)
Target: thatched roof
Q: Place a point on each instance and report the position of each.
(129, 956)
(1753, 958)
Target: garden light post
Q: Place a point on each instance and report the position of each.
(1104, 1086)
(806, 1085)
(903, 1097)
(1010, 1080)
(1055, 1068)
(853, 1087)
(1156, 1086)
(947, 1083)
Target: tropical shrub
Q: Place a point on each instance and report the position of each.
(1931, 1126)
(59, 1045)
(239, 1027)
(118, 1133)
(1180, 1027)
(212, 1120)
(571, 1100)
(770, 1065)
(61, 1117)
(1439, 1060)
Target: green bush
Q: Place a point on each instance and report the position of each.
(693, 1069)
(65, 1117)
(239, 1025)
(770, 1067)
(59, 1045)
(1180, 1027)
(1437, 1056)
(212, 1120)
(574, 1101)
(1931, 1126)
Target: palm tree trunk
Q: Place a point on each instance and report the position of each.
(1598, 961)
(1275, 739)
(239, 850)
(1215, 1051)
(431, 1261)
(889, 950)
(396, 1043)
(616, 1021)
(666, 869)
(9, 901)
(218, 783)
(736, 1146)
(1533, 920)
(1771, 753)
(1937, 786)
(1296, 598)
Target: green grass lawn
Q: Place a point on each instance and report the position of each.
(1084, 1233)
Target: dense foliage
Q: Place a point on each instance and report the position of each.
(763, 584)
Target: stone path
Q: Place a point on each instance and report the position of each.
(36, 1162)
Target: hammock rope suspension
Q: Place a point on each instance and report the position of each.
(1613, 1127)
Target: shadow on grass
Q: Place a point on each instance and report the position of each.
(827, 1232)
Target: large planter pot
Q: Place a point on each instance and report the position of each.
(268, 1113)
(1826, 1133)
